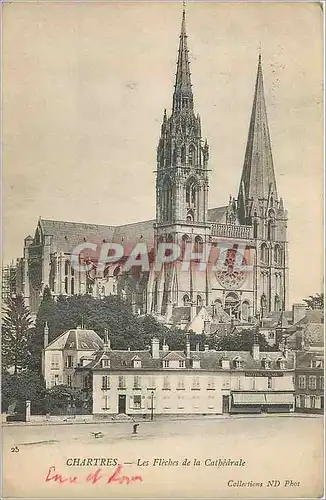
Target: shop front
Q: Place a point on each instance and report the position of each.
(261, 402)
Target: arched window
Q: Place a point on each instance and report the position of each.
(198, 244)
(191, 193)
(183, 155)
(271, 230)
(199, 301)
(192, 155)
(277, 254)
(186, 300)
(264, 254)
(255, 229)
(232, 305)
(263, 305)
(277, 303)
(245, 310)
(167, 199)
(67, 269)
(174, 157)
(154, 301)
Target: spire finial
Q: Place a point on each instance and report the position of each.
(183, 97)
(259, 53)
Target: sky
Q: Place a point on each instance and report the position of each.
(84, 90)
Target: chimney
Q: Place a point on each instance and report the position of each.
(165, 347)
(155, 348)
(255, 346)
(298, 312)
(285, 348)
(206, 347)
(187, 347)
(193, 311)
(46, 335)
(107, 343)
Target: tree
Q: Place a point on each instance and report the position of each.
(45, 315)
(315, 301)
(62, 399)
(16, 327)
(240, 341)
(23, 386)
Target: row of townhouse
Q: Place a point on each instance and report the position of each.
(158, 381)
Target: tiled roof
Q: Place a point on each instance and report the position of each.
(217, 214)
(77, 339)
(209, 360)
(304, 358)
(276, 318)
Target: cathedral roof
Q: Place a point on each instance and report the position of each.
(67, 235)
(77, 339)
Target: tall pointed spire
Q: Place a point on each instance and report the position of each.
(183, 97)
(258, 176)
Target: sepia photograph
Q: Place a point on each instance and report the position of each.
(162, 258)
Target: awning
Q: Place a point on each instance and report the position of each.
(249, 398)
(280, 399)
(262, 398)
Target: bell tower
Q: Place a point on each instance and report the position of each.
(181, 191)
(182, 156)
(260, 206)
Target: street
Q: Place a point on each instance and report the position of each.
(207, 458)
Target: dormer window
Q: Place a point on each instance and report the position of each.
(266, 363)
(196, 363)
(105, 363)
(313, 363)
(165, 364)
(281, 363)
(237, 363)
(225, 363)
(137, 363)
(182, 364)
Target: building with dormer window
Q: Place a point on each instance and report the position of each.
(190, 382)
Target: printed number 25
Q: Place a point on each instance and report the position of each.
(14, 449)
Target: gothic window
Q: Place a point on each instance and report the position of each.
(277, 255)
(167, 199)
(186, 300)
(174, 157)
(245, 310)
(232, 304)
(199, 300)
(277, 303)
(263, 304)
(217, 306)
(270, 230)
(192, 155)
(154, 301)
(191, 193)
(198, 244)
(255, 229)
(67, 276)
(183, 155)
(264, 257)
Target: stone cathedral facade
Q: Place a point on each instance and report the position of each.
(256, 221)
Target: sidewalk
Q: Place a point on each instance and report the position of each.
(161, 418)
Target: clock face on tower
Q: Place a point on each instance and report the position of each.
(231, 273)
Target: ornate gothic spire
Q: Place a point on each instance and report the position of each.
(182, 96)
(258, 177)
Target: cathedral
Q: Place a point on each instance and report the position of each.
(255, 221)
